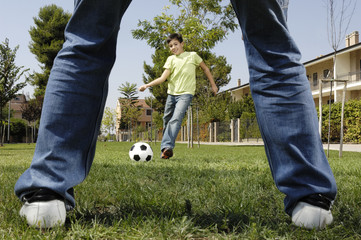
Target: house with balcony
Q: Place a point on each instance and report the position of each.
(346, 68)
(342, 66)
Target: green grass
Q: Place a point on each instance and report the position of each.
(212, 192)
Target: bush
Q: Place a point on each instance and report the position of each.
(17, 130)
(352, 122)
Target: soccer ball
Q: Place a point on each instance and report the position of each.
(141, 152)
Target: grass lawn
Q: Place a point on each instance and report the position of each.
(211, 192)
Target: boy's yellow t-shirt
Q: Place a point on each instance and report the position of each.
(182, 79)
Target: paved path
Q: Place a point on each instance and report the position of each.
(346, 147)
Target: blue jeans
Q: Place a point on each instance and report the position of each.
(175, 109)
(78, 83)
(284, 105)
(74, 100)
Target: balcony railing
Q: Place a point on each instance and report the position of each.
(351, 77)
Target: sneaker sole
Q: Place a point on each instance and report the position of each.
(308, 216)
(44, 214)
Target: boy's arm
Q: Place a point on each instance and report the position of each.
(157, 81)
(208, 73)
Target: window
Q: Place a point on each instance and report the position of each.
(332, 101)
(325, 73)
(315, 80)
(149, 112)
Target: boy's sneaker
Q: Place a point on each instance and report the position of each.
(312, 212)
(167, 153)
(44, 209)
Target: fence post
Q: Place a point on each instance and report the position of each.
(239, 129)
(215, 131)
(191, 135)
(232, 130)
(210, 132)
(342, 117)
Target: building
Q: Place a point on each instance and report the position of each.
(321, 69)
(16, 105)
(143, 121)
(347, 67)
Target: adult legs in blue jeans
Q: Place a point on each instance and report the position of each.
(74, 100)
(284, 105)
(77, 88)
(175, 109)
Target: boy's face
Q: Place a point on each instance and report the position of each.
(176, 47)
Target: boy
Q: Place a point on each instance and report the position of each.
(180, 70)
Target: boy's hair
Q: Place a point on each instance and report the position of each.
(177, 36)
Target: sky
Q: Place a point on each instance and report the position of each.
(307, 22)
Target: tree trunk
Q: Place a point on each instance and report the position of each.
(2, 134)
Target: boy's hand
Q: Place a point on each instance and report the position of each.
(214, 89)
(142, 88)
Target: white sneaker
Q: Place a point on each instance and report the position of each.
(44, 214)
(310, 216)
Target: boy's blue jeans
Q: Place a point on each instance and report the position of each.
(77, 89)
(175, 109)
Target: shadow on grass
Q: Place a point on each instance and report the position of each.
(226, 222)
(224, 218)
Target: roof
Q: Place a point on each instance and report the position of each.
(344, 50)
(140, 103)
(238, 87)
(347, 49)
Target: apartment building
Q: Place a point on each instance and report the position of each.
(342, 66)
(346, 68)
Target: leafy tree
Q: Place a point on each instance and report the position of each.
(244, 105)
(203, 24)
(129, 111)
(31, 112)
(47, 38)
(129, 91)
(9, 75)
(108, 121)
(214, 108)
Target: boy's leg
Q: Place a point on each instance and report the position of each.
(172, 122)
(74, 101)
(284, 105)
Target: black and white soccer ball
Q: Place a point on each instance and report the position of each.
(141, 152)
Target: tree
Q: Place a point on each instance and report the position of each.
(129, 111)
(31, 112)
(9, 75)
(47, 38)
(129, 91)
(203, 24)
(108, 121)
(244, 105)
(339, 14)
